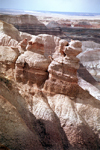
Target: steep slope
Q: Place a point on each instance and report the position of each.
(89, 67)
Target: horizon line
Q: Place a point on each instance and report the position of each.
(12, 9)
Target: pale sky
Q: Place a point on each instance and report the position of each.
(92, 6)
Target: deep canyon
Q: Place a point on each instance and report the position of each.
(49, 85)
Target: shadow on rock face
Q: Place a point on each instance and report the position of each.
(2, 147)
(39, 133)
(49, 140)
(86, 75)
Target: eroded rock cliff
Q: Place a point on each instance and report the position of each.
(29, 24)
(41, 104)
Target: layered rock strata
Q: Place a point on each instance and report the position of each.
(29, 24)
(32, 66)
(63, 69)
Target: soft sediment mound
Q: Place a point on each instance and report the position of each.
(53, 24)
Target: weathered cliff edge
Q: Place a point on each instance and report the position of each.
(41, 104)
(29, 24)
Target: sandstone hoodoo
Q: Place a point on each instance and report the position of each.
(32, 65)
(63, 69)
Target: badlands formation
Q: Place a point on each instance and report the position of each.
(29, 24)
(42, 107)
(66, 27)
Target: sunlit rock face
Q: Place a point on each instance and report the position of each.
(32, 65)
(9, 35)
(8, 57)
(63, 69)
